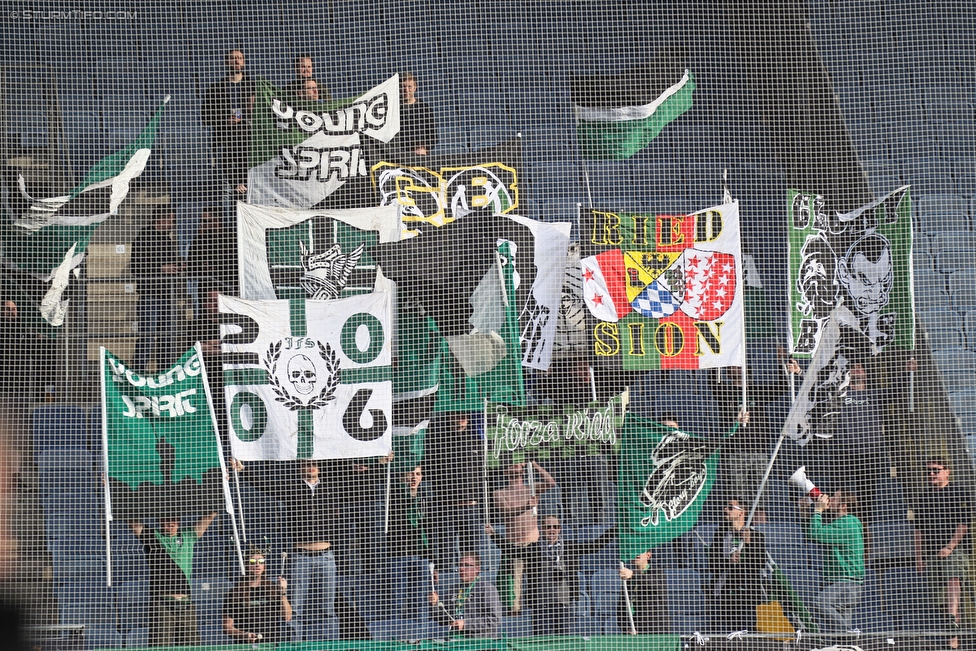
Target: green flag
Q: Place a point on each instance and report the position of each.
(758, 314)
(408, 448)
(419, 356)
(45, 236)
(618, 115)
(144, 414)
(783, 592)
(664, 477)
(855, 265)
(303, 151)
(159, 433)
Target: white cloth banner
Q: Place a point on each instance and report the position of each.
(308, 379)
(540, 313)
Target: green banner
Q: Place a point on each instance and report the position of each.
(783, 591)
(550, 643)
(664, 477)
(158, 429)
(419, 354)
(859, 263)
(544, 431)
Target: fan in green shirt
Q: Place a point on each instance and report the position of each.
(843, 568)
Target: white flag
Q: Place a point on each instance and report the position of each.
(308, 379)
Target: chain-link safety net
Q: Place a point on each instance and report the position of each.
(504, 324)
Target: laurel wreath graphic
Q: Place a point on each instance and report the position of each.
(326, 395)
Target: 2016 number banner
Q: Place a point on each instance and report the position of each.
(308, 379)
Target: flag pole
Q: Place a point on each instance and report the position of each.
(228, 500)
(727, 198)
(586, 170)
(772, 460)
(386, 517)
(911, 371)
(484, 474)
(592, 383)
(240, 502)
(630, 607)
(911, 391)
(484, 466)
(106, 485)
(765, 479)
(237, 540)
(532, 492)
(745, 374)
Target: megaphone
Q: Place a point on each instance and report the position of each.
(799, 479)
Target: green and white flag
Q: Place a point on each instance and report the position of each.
(159, 432)
(860, 261)
(43, 236)
(618, 115)
(308, 379)
(100, 193)
(408, 447)
(315, 254)
(302, 152)
(419, 356)
(664, 477)
(547, 431)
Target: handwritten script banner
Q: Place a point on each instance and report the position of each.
(543, 431)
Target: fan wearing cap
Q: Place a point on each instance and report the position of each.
(256, 607)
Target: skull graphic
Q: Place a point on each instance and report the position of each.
(302, 375)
